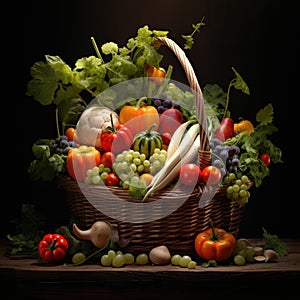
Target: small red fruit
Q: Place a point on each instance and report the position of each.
(166, 138)
(190, 174)
(265, 158)
(107, 159)
(211, 175)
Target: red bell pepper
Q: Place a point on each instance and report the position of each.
(53, 248)
(116, 139)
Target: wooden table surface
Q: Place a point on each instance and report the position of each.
(28, 279)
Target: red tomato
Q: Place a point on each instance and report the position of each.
(107, 159)
(190, 174)
(211, 175)
(265, 158)
(112, 179)
(166, 138)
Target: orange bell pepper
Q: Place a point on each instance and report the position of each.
(81, 159)
(139, 117)
(215, 244)
(155, 74)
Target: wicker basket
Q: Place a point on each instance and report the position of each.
(176, 229)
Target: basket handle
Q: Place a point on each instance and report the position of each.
(204, 151)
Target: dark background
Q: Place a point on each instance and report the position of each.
(256, 37)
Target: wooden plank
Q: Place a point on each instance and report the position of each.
(27, 277)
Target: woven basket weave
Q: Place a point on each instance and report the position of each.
(176, 230)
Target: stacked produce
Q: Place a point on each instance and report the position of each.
(146, 143)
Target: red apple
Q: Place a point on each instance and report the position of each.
(170, 120)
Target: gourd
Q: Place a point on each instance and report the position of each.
(147, 140)
(99, 234)
(244, 125)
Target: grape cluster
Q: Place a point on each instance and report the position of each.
(129, 164)
(224, 157)
(243, 253)
(162, 102)
(184, 261)
(97, 175)
(62, 145)
(237, 188)
(119, 259)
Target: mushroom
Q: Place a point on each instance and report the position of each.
(271, 255)
(160, 255)
(99, 234)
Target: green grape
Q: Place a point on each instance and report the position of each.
(243, 193)
(245, 179)
(175, 259)
(239, 260)
(192, 264)
(111, 254)
(238, 182)
(119, 252)
(229, 190)
(78, 258)
(244, 187)
(135, 180)
(164, 152)
(103, 175)
(143, 157)
(124, 166)
(101, 168)
(156, 163)
(136, 154)
(133, 167)
(227, 180)
(95, 171)
(232, 176)
(142, 259)
(243, 252)
(250, 253)
(89, 172)
(118, 261)
(146, 163)
(123, 177)
(96, 179)
(236, 187)
(107, 170)
(105, 260)
(125, 184)
(184, 261)
(240, 245)
(136, 161)
(140, 168)
(88, 180)
(119, 158)
(129, 157)
(129, 258)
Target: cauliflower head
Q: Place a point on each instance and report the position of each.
(93, 121)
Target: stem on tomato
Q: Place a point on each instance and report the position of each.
(213, 237)
(52, 245)
(113, 129)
